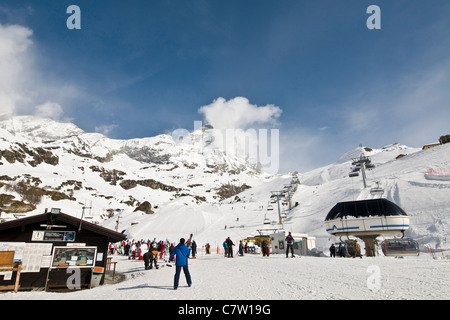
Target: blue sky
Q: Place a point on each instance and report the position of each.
(142, 68)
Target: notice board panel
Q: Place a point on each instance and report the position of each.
(74, 257)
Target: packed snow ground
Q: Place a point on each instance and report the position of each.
(254, 277)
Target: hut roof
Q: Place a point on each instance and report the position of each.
(112, 236)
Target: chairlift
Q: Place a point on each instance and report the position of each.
(366, 218)
(370, 166)
(353, 174)
(266, 220)
(349, 248)
(376, 190)
(400, 247)
(269, 207)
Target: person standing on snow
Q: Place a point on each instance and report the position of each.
(127, 248)
(225, 248)
(241, 248)
(171, 248)
(194, 249)
(332, 251)
(132, 251)
(357, 250)
(290, 245)
(181, 251)
(341, 250)
(265, 248)
(230, 245)
(161, 248)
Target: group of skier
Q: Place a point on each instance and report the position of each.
(150, 251)
(342, 251)
(136, 249)
(228, 247)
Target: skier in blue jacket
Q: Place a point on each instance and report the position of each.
(181, 251)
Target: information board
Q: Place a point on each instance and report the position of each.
(74, 257)
(51, 235)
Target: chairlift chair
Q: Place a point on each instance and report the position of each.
(376, 190)
(400, 247)
(370, 166)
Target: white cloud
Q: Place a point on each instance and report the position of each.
(14, 44)
(238, 113)
(14, 39)
(23, 87)
(106, 130)
(50, 110)
(239, 129)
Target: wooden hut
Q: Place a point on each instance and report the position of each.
(57, 251)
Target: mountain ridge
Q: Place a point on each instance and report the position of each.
(35, 147)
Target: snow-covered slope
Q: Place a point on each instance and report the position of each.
(427, 202)
(403, 179)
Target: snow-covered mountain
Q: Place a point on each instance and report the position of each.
(164, 188)
(402, 173)
(400, 170)
(71, 169)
